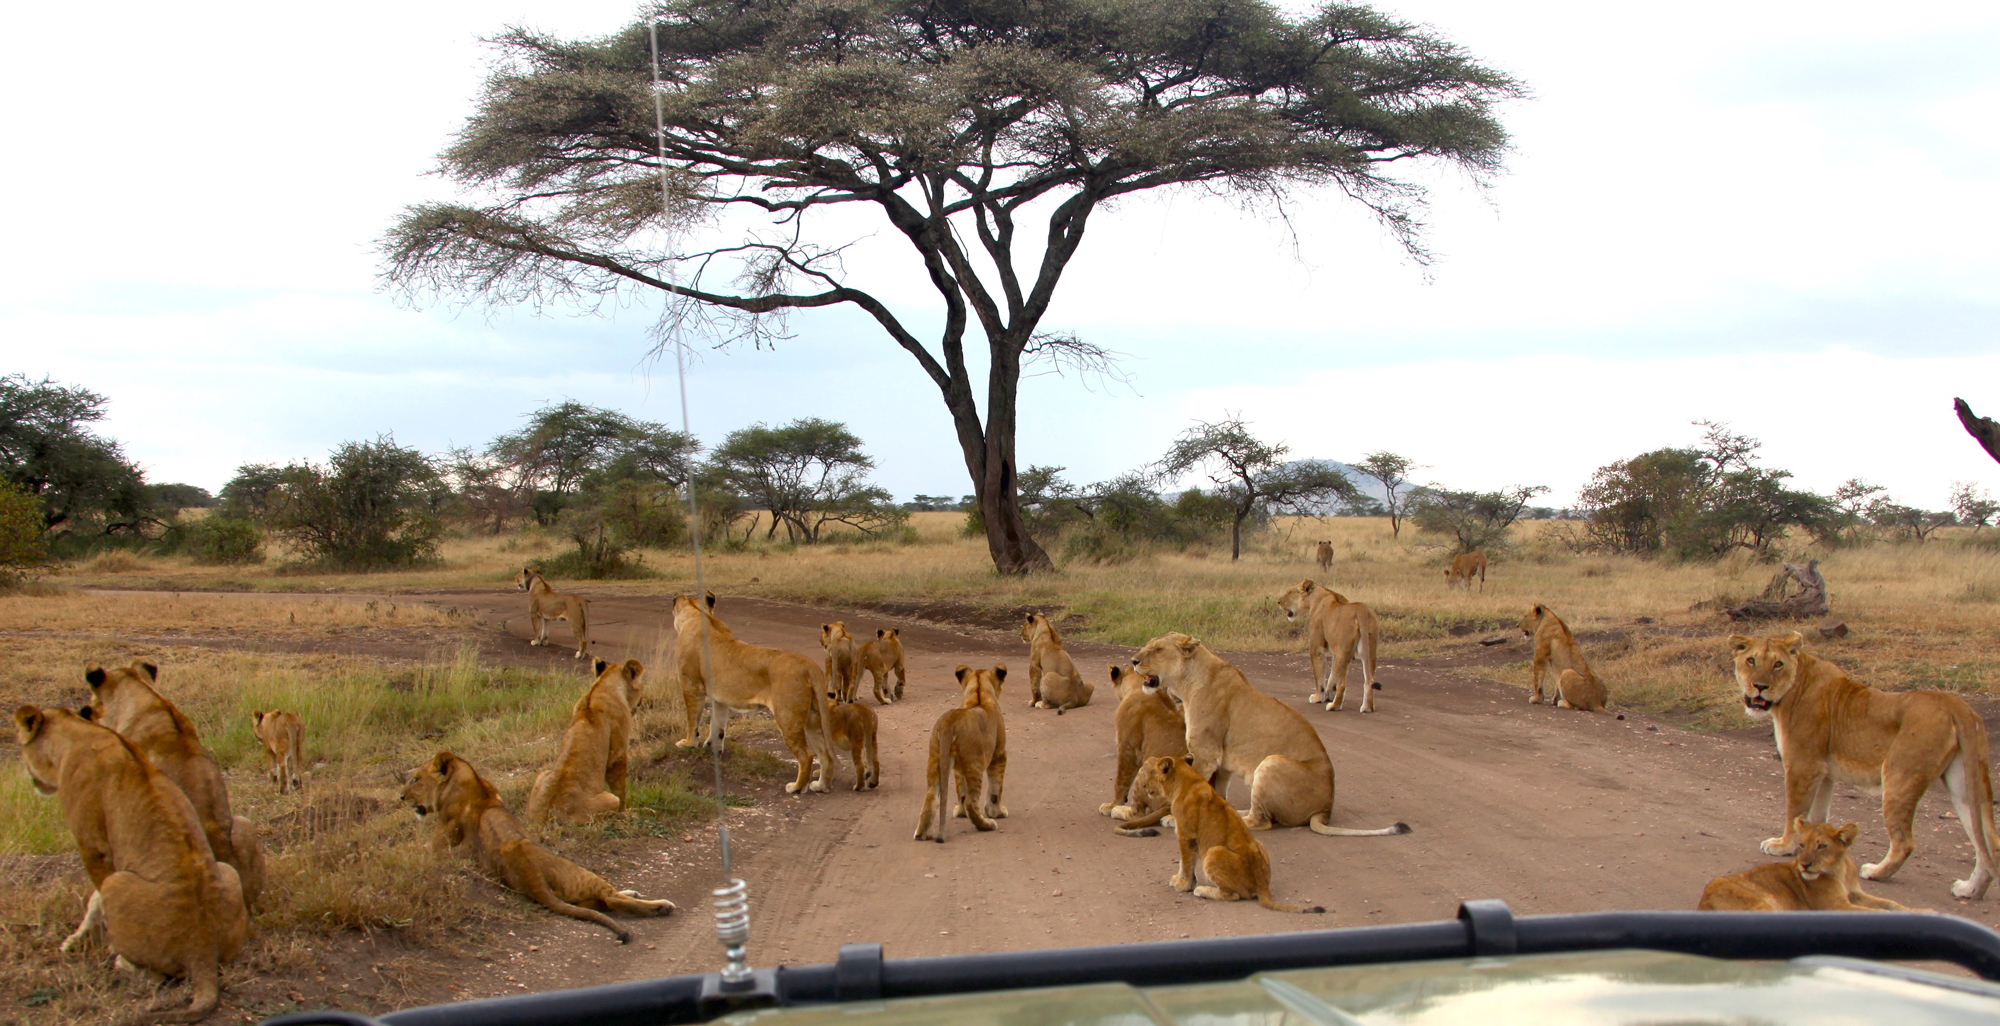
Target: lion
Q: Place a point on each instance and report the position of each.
(162, 901)
(1053, 682)
(283, 737)
(970, 740)
(1212, 837)
(1822, 878)
(879, 658)
(1556, 648)
(843, 668)
(750, 676)
(470, 814)
(1148, 725)
(1323, 555)
(1233, 729)
(124, 700)
(1335, 630)
(1832, 729)
(852, 726)
(1463, 566)
(588, 778)
(545, 603)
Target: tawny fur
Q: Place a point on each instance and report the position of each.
(969, 742)
(283, 736)
(1053, 682)
(1821, 878)
(1323, 555)
(1556, 649)
(588, 778)
(843, 667)
(748, 677)
(882, 657)
(1463, 567)
(853, 728)
(1148, 725)
(1212, 838)
(545, 603)
(1336, 630)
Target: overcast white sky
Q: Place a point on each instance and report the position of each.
(1781, 215)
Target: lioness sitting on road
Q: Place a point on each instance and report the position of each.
(843, 667)
(1212, 837)
(1821, 878)
(853, 728)
(1556, 648)
(163, 901)
(545, 603)
(1463, 566)
(880, 657)
(1053, 682)
(588, 779)
(469, 813)
(1832, 730)
(1335, 630)
(124, 700)
(1233, 729)
(283, 737)
(747, 677)
(971, 742)
(1148, 725)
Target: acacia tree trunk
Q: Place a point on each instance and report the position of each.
(989, 460)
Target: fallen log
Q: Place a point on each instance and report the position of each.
(1810, 600)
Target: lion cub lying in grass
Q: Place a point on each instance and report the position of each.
(1212, 836)
(1821, 878)
(470, 814)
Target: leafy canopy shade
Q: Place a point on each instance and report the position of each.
(957, 123)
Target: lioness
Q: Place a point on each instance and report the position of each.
(1235, 729)
(879, 658)
(843, 669)
(971, 741)
(470, 813)
(1822, 878)
(283, 737)
(1053, 682)
(588, 779)
(1335, 629)
(1556, 648)
(124, 700)
(1212, 838)
(1148, 725)
(1831, 729)
(749, 676)
(853, 728)
(545, 603)
(1463, 566)
(1323, 555)
(163, 901)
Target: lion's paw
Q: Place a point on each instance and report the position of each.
(1874, 871)
(1182, 882)
(817, 785)
(1777, 846)
(791, 787)
(1118, 812)
(1968, 888)
(996, 812)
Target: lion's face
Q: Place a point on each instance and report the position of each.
(527, 578)
(1530, 622)
(1029, 628)
(1297, 600)
(1150, 786)
(421, 787)
(1822, 846)
(1165, 658)
(37, 745)
(1767, 669)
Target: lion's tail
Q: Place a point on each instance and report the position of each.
(1320, 825)
(1264, 898)
(538, 889)
(582, 625)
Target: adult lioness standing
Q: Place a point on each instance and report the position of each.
(1832, 729)
(750, 676)
(588, 779)
(1335, 630)
(1463, 566)
(970, 742)
(123, 699)
(163, 900)
(545, 603)
(1556, 648)
(1233, 729)
(882, 657)
(843, 668)
(1053, 682)
(1323, 555)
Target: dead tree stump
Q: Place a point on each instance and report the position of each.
(1810, 600)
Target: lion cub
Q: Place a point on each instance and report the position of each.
(1212, 837)
(843, 668)
(1149, 725)
(1555, 647)
(881, 657)
(972, 741)
(283, 736)
(588, 779)
(851, 726)
(1821, 878)
(1053, 682)
(470, 813)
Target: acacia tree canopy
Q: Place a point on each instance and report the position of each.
(1253, 475)
(985, 133)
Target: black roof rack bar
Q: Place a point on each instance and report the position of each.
(1483, 928)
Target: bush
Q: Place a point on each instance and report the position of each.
(21, 545)
(372, 506)
(224, 540)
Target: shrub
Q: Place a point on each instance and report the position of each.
(21, 545)
(224, 540)
(371, 506)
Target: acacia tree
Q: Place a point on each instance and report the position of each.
(1393, 472)
(1253, 474)
(985, 133)
(808, 474)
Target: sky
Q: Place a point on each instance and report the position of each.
(1777, 215)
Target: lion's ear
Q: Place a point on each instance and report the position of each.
(961, 672)
(1794, 641)
(1849, 832)
(1115, 671)
(633, 668)
(880, 634)
(710, 599)
(1739, 642)
(1190, 644)
(404, 776)
(94, 674)
(1189, 759)
(29, 719)
(442, 763)
(1539, 610)
(597, 664)
(1307, 585)
(256, 717)
(86, 713)
(1000, 672)
(151, 670)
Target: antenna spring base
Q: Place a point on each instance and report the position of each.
(732, 928)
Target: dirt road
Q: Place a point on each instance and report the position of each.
(1553, 811)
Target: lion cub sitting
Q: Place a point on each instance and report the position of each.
(1053, 682)
(1821, 878)
(851, 726)
(1212, 836)
(588, 779)
(971, 740)
(881, 657)
(164, 902)
(283, 736)
(470, 813)
(1149, 725)
(1555, 647)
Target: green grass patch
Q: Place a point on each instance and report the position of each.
(31, 823)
